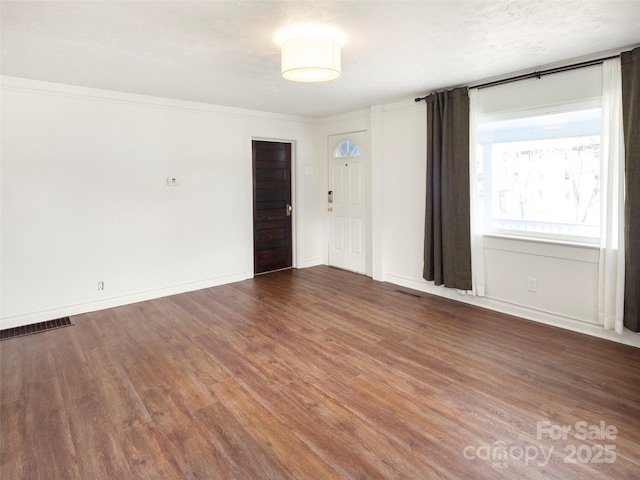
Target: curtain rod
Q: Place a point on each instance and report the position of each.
(538, 74)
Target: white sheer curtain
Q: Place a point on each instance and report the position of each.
(477, 250)
(611, 266)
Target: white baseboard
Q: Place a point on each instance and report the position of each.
(628, 337)
(77, 309)
(313, 262)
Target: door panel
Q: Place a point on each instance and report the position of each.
(338, 233)
(272, 239)
(356, 183)
(356, 236)
(347, 212)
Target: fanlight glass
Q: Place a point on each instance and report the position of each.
(346, 148)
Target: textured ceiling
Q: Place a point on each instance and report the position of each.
(221, 52)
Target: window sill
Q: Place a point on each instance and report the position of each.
(566, 250)
(551, 241)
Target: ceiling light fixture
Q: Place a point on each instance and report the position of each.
(309, 53)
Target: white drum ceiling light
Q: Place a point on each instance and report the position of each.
(309, 53)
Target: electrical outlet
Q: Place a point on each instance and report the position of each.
(173, 181)
(532, 284)
(100, 285)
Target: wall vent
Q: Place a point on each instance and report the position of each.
(409, 293)
(35, 328)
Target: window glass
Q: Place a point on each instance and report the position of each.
(346, 148)
(539, 175)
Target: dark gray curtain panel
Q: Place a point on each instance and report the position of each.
(447, 242)
(631, 118)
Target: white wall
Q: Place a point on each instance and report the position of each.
(85, 199)
(567, 275)
(404, 153)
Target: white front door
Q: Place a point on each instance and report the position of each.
(347, 202)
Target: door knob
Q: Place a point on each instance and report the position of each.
(289, 209)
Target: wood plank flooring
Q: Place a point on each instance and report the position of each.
(315, 374)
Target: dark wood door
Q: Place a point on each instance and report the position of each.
(271, 206)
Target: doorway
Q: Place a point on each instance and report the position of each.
(272, 207)
(348, 202)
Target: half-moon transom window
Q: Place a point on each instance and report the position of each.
(347, 148)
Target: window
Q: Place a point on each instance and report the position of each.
(539, 174)
(347, 148)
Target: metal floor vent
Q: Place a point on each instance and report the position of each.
(35, 328)
(409, 293)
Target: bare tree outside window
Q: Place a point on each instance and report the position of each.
(541, 175)
(532, 183)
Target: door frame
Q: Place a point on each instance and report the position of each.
(294, 201)
(368, 244)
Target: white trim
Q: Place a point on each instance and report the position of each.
(563, 63)
(568, 106)
(542, 248)
(627, 337)
(344, 117)
(312, 262)
(376, 158)
(365, 157)
(111, 302)
(295, 202)
(100, 95)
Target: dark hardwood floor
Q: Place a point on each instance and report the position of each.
(315, 374)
